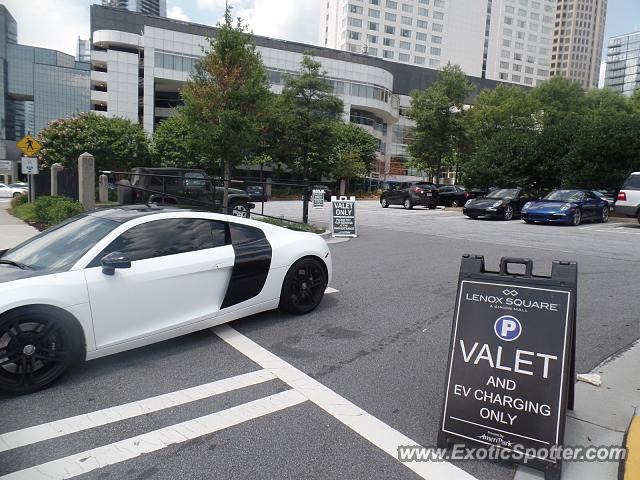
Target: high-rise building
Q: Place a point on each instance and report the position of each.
(150, 7)
(139, 64)
(37, 85)
(578, 39)
(508, 40)
(623, 63)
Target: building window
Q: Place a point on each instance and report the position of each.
(436, 27)
(405, 33)
(388, 42)
(435, 51)
(390, 17)
(406, 20)
(389, 29)
(434, 63)
(373, 26)
(387, 54)
(421, 36)
(355, 8)
(392, 4)
(374, 13)
(407, 8)
(419, 60)
(404, 57)
(405, 45)
(421, 24)
(436, 39)
(420, 48)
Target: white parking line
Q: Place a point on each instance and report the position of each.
(366, 425)
(117, 452)
(59, 428)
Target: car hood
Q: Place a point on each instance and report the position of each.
(485, 202)
(9, 273)
(548, 205)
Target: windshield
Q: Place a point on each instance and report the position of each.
(503, 193)
(565, 196)
(60, 247)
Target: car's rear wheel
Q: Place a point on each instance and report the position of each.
(604, 215)
(36, 347)
(239, 209)
(455, 203)
(508, 212)
(577, 217)
(303, 286)
(385, 203)
(16, 195)
(408, 204)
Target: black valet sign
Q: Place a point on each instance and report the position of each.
(343, 217)
(510, 365)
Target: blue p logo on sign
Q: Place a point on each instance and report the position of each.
(507, 328)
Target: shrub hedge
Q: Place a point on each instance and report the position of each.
(47, 211)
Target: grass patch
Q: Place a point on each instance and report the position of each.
(46, 211)
(298, 227)
(25, 212)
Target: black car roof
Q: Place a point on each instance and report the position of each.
(129, 212)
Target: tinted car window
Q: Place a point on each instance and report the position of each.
(632, 183)
(504, 193)
(565, 196)
(167, 237)
(60, 247)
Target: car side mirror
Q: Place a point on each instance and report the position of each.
(114, 260)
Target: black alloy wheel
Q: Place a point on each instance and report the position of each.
(36, 347)
(455, 203)
(303, 286)
(239, 209)
(384, 203)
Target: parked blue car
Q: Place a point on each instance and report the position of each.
(567, 206)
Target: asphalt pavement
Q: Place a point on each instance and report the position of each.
(376, 348)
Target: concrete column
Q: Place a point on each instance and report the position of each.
(87, 179)
(103, 188)
(343, 186)
(55, 169)
(267, 189)
(125, 194)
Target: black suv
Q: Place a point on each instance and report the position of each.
(410, 194)
(179, 186)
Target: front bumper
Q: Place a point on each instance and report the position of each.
(483, 212)
(548, 217)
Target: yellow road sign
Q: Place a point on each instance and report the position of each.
(29, 146)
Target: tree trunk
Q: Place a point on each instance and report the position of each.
(225, 194)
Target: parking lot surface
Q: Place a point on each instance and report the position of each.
(319, 396)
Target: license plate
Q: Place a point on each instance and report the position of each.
(429, 194)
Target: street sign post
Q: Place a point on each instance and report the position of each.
(29, 146)
(511, 368)
(343, 217)
(318, 198)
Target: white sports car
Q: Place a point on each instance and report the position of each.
(7, 191)
(117, 279)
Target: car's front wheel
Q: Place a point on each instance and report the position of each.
(455, 203)
(384, 203)
(36, 347)
(577, 217)
(604, 215)
(303, 286)
(508, 212)
(239, 209)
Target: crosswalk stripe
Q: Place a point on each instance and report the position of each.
(363, 423)
(66, 426)
(117, 452)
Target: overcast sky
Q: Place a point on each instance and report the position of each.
(57, 24)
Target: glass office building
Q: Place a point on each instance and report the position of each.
(623, 63)
(37, 86)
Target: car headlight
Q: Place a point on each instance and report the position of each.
(468, 202)
(497, 204)
(527, 206)
(565, 207)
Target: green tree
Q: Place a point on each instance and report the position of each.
(356, 150)
(438, 113)
(116, 143)
(505, 124)
(227, 97)
(309, 113)
(174, 145)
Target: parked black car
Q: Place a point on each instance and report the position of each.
(256, 193)
(453, 195)
(504, 203)
(179, 186)
(411, 194)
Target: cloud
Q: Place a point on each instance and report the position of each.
(48, 24)
(175, 11)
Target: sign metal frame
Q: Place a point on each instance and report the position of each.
(563, 280)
